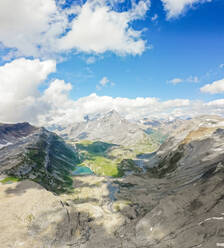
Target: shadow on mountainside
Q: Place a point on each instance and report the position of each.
(21, 187)
(148, 216)
(96, 146)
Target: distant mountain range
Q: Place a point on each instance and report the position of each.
(110, 128)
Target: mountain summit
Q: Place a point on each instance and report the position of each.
(109, 127)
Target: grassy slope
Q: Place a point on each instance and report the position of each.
(106, 159)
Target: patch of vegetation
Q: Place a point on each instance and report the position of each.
(96, 147)
(9, 180)
(30, 218)
(103, 166)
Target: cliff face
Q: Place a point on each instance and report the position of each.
(28, 152)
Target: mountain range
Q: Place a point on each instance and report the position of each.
(110, 128)
(109, 182)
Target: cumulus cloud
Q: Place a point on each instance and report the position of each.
(42, 28)
(214, 88)
(21, 99)
(98, 28)
(19, 95)
(31, 27)
(176, 7)
(133, 109)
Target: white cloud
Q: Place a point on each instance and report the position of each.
(176, 80)
(104, 82)
(21, 99)
(214, 88)
(137, 108)
(39, 28)
(216, 103)
(176, 7)
(190, 79)
(19, 95)
(31, 27)
(154, 18)
(90, 60)
(98, 28)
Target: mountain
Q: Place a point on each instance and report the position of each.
(175, 200)
(190, 171)
(196, 144)
(110, 128)
(109, 144)
(28, 152)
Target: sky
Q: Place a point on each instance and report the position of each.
(63, 59)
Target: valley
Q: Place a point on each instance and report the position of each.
(81, 193)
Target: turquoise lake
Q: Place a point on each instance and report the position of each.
(82, 170)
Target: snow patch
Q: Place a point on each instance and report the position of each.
(4, 145)
(212, 218)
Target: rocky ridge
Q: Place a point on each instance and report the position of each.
(28, 152)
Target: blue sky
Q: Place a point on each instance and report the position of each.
(190, 45)
(64, 59)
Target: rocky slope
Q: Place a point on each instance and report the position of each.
(178, 203)
(110, 128)
(37, 154)
(161, 127)
(195, 145)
